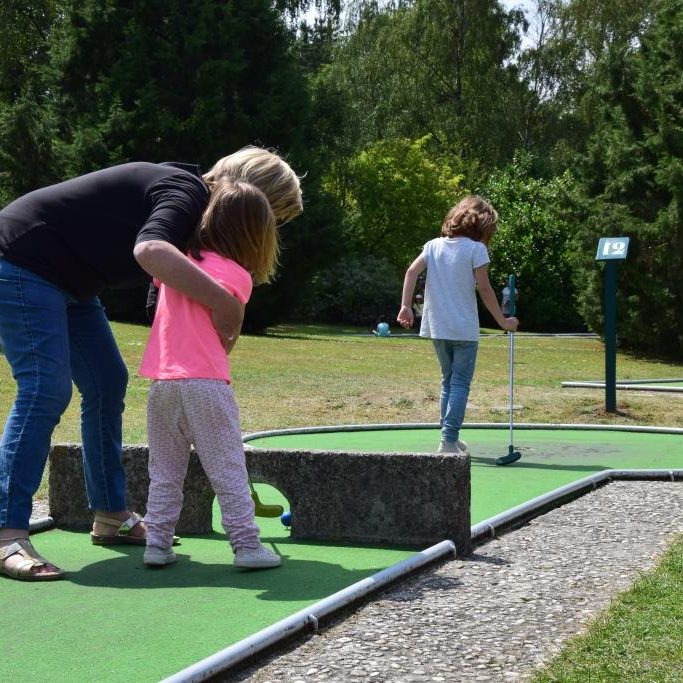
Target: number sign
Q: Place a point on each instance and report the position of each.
(612, 248)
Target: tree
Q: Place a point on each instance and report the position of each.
(432, 67)
(28, 158)
(631, 181)
(533, 241)
(395, 195)
(571, 39)
(157, 80)
(25, 27)
(175, 78)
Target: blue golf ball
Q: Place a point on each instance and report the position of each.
(286, 518)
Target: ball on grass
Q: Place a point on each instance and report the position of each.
(286, 519)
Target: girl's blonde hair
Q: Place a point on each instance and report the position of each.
(472, 217)
(239, 223)
(269, 172)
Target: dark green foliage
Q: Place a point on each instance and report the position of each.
(175, 79)
(25, 27)
(185, 80)
(632, 183)
(532, 243)
(28, 158)
(356, 290)
(432, 67)
(391, 109)
(161, 80)
(126, 305)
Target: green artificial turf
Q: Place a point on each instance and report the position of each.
(113, 619)
(550, 458)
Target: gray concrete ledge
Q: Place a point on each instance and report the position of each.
(410, 499)
(407, 499)
(69, 504)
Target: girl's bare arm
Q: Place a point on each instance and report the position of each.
(169, 265)
(406, 315)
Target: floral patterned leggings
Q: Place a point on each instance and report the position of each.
(203, 413)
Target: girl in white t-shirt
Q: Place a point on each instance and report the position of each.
(457, 265)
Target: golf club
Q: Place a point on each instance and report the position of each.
(508, 306)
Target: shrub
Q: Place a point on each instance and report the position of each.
(533, 242)
(355, 290)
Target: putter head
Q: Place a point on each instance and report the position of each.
(262, 510)
(268, 510)
(512, 456)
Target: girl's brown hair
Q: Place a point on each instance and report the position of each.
(239, 223)
(269, 172)
(472, 217)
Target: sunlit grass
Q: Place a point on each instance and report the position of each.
(639, 638)
(301, 375)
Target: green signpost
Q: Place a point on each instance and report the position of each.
(611, 250)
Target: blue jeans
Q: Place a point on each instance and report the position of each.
(50, 339)
(457, 360)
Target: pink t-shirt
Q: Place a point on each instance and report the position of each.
(183, 343)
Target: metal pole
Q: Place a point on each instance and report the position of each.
(611, 336)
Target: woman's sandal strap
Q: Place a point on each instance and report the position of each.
(124, 527)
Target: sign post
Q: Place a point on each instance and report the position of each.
(611, 250)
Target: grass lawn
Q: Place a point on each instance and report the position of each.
(314, 375)
(639, 638)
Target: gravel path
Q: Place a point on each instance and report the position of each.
(500, 613)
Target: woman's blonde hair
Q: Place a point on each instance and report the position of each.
(269, 172)
(472, 217)
(239, 223)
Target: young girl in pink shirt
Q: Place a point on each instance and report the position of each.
(191, 400)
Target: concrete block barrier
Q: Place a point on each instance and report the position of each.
(407, 499)
(69, 504)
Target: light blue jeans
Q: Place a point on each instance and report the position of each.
(457, 360)
(50, 340)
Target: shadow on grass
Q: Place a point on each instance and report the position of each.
(555, 457)
(295, 580)
(521, 464)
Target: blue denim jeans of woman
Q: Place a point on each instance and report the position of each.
(50, 339)
(457, 360)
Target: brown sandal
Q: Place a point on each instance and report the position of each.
(31, 559)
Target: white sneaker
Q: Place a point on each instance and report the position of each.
(158, 557)
(256, 558)
(450, 447)
(463, 446)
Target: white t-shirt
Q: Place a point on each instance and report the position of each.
(450, 304)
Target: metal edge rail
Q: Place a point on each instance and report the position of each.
(521, 513)
(307, 617)
(310, 616)
(40, 524)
